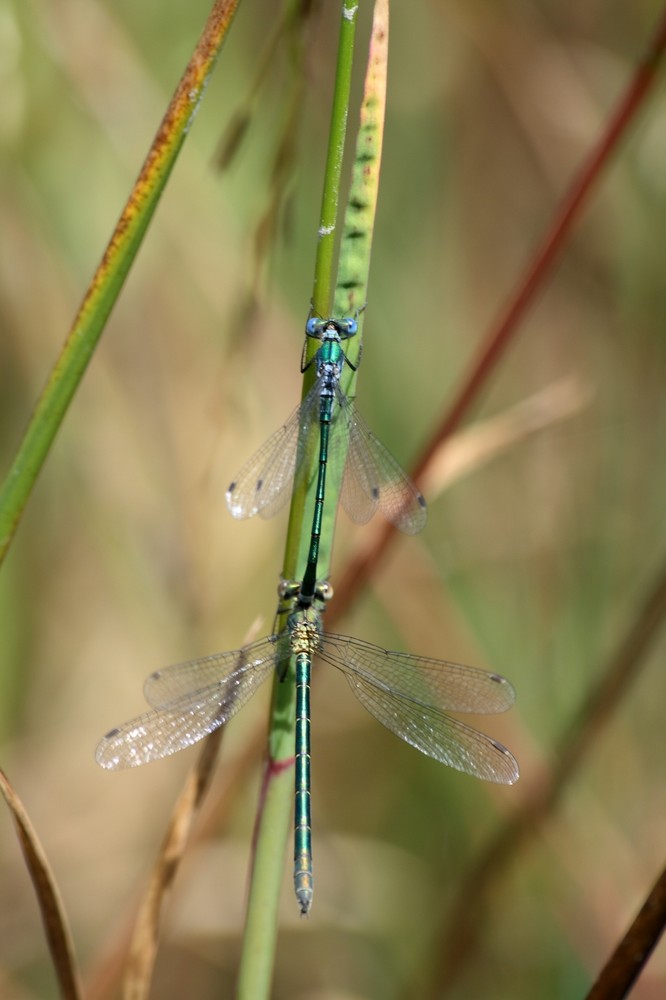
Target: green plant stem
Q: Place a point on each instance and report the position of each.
(351, 287)
(323, 276)
(110, 274)
(278, 789)
(256, 968)
(277, 796)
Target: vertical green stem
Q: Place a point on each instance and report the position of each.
(351, 288)
(322, 292)
(277, 798)
(323, 277)
(258, 956)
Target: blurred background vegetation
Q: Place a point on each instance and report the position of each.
(533, 564)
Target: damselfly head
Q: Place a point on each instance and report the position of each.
(331, 329)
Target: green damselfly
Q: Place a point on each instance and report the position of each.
(327, 424)
(410, 695)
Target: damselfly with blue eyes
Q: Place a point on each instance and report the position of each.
(327, 423)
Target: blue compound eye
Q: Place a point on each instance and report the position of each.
(346, 327)
(312, 326)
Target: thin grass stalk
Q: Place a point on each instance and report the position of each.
(628, 960)
(209, 816)
(146, 933)
(54, 918)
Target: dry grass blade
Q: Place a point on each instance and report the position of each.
(624, 966)
(109, 966)
(145, 939)
(474, 446)
(48, 897)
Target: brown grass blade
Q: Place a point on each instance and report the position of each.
(477, 445)
(50, 904)
(109, 966)
(145, 939)
(625, 964)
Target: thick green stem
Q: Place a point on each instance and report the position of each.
(277, 795)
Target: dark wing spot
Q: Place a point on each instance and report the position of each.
(375, 493)
(421, 499)
(232, 487)
(111, 733)
(260, 483)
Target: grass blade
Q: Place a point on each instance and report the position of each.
(110, 275)
(145, 939)
(50, 904)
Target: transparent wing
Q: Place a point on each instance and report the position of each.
(374, 480)
(195, 698)
(196, 677)
(438, 684)
(438, 736)
(265, 482)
